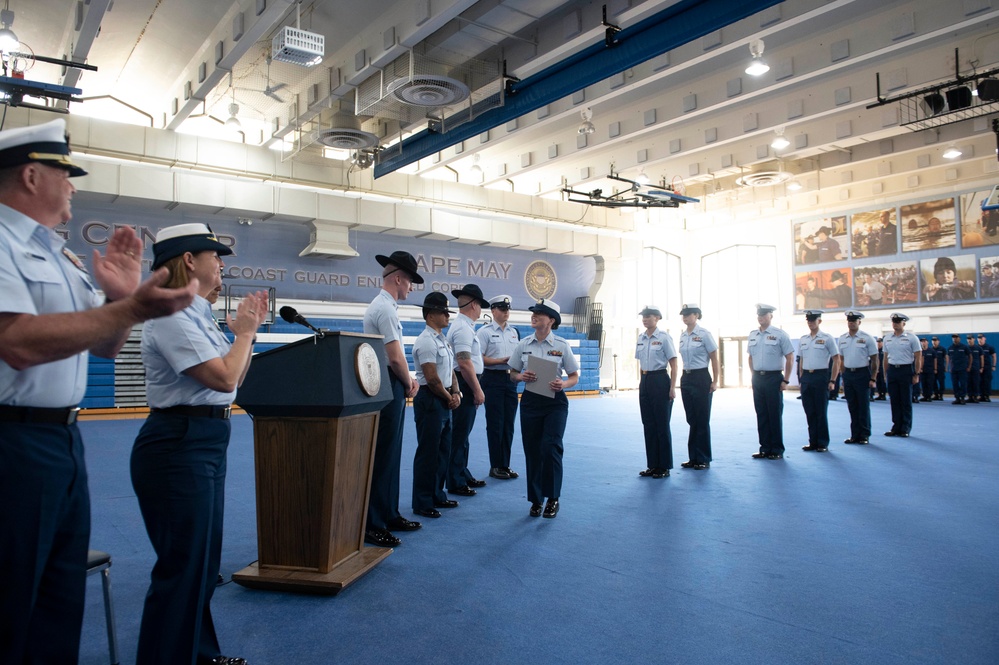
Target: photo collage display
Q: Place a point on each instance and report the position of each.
(924, 253)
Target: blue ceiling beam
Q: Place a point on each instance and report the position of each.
(682, 23)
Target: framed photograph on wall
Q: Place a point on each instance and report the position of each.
(886, 284)
(988, 271)
(928, 225)
(821, 241)
(823, 289)
(873, 233)
(978, 227)
(949, 278)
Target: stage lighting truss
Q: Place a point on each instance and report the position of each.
(943, 103)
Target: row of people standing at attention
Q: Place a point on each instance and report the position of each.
(657, 362)
(455, 374)
(971, 367)
(54, 314)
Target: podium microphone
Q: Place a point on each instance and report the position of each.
(291, 315)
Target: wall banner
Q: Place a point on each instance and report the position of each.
(265, 255)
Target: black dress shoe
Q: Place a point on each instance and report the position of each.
(660, 473)
(700, 466)
(535, 510)
(227, 660)
(890, 433)
(815, 449)
(647, 473)
(402, 524)
(464, 490)
(513, 474)
(904, 435)
(497, 472)
(687, 465)
(775, 455)
(551, 508)
(446, 503)
(853, 440)
(472, 482)
(432, 513)
(381, 538)
(759, 455)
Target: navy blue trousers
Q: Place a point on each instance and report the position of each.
(857, 393)
(986, 389)
(695, 391)
(542, 424)
(44, 534)
(462, 421)
(383, 500)
(815, 401)
(178, 469)
(959, 381)
(433, 448)
(926, 381)
(900, 396)
(656, 408)
(769, 403)
(940, 383)
(974, 382)
(501, 412)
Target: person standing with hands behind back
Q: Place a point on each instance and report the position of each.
(178, 463)
(903, 362)
(656, 392)
(542, 418)
(51, 317)
(697, 349)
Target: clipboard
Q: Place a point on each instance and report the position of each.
(546, 371)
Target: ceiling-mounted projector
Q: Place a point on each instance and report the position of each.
(299, 47)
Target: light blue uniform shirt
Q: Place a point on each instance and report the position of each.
(901, 349)
(37, 276)
(655, 352)
(552, 348)
(696, 348)
(768, 349)
(382, 318)
(177, 343)
(858, 349)
(462, 338)
(432, 347)
(497, 342)
(816, 352)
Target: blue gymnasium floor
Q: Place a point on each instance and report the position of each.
(881, 554)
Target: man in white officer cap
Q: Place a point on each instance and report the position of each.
(51, 317)
(860, 369)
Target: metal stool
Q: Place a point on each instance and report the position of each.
(98, 561)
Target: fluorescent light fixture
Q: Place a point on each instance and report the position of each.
(952, 153)
(336, 153)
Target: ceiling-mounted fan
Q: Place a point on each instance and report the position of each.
(269, 90)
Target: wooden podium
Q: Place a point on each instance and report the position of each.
(315, 406)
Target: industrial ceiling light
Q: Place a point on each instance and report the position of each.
(642, 178)
(959, 98)
(779, 142)
(476, 170)
(587, 126)
(794, 185)
(933, 104)
(988, 90)
(757, 67)
(9, 42)
(363, 159)
(953, 152)
(233, 122)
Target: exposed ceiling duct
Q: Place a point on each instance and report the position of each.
(329, 240)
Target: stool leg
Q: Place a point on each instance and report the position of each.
(109, 616)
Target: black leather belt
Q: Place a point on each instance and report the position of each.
(207, 411)
(699, 369)
(501, 371)
(764, 372)
(654, 371)
(813, 371)
(865, 368)
(904, 365)
(39, 415)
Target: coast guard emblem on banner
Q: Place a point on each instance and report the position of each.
(540, 280)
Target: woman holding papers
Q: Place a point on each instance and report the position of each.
(540, 361)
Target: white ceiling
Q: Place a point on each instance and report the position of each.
(691, 115)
